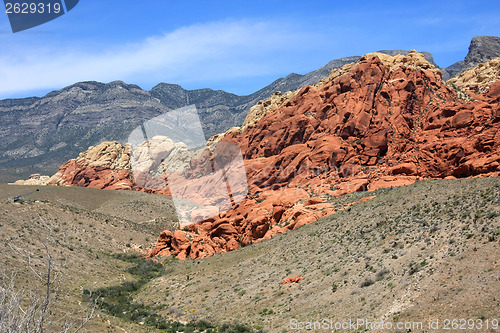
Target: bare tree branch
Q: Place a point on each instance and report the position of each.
(24, 311)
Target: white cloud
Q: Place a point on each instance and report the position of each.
(220, 50)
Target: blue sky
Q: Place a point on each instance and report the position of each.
(237, 46)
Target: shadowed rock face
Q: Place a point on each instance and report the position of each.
(482, 49)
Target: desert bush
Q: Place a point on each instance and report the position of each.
(367, 282)
(380, 275)
(234, 328)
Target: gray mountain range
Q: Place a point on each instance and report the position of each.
(38, 134)
(481, 49)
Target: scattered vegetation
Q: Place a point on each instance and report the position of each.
(35, 310)
(119, 301)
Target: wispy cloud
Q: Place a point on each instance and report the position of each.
(199, 52)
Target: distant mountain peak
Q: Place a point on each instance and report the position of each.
(481, 50)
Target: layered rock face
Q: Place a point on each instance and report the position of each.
(389, 121)
(384, 121)
(482, 49)
(39, 134)
(389, 115)
(110, 166)
(279, 99)
(105, 166)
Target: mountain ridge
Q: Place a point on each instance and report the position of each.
(481, 49)
(41, 133)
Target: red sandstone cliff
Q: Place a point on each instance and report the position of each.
(388, 122)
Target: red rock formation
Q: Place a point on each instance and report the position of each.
(388, 121)
(105, 166)
(400, 122)
(385, 123)
(292, 280)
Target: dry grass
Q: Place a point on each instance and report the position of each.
(84, 232)
(429, 250)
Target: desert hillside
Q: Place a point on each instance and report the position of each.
(372, 193)
(85, 230)
(425, 251)
(405, 254)
(95, 239)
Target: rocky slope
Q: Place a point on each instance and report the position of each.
(39, 134)
(478, 79)
(427, 250)
(279, 99)
(481, 49)
(390, 121)
(413, 253)
(295, 81)
(385, 121)
(106, 165)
